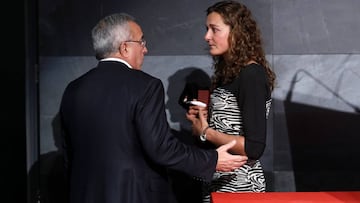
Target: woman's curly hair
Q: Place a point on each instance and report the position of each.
(245, 43)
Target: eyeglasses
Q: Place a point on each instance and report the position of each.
(142, 42)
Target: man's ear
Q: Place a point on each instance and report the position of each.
(123, 49)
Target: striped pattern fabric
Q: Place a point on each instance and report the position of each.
(226, 117)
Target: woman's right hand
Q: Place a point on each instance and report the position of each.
(198, 117)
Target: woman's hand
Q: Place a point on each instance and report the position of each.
(198, 117)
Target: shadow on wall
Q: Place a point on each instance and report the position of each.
(324, 145)
(177, 82)
(186, 189)
(50, 167)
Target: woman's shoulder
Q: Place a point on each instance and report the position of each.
(251, 71)
(253, 68)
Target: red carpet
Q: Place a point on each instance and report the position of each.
(288, 197)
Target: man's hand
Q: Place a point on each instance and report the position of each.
(228, 162)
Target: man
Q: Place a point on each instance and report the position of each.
(118, 144)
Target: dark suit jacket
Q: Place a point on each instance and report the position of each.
(118, 142)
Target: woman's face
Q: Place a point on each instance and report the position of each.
(217, 34)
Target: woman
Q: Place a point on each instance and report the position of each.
(240, 96)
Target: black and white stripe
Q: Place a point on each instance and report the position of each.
(226, 117)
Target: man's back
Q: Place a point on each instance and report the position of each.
(119, 139)
(99, 111)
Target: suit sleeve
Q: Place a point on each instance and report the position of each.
(161, 145)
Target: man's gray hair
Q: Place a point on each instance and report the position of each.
(109, 33)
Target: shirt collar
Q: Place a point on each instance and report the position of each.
(118, 60)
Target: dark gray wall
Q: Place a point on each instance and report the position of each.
(313, 47)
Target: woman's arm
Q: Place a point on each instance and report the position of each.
(198, 116)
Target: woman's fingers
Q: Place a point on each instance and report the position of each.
(203, 115)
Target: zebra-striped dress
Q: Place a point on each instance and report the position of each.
(235, 109)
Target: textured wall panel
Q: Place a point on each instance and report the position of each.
(316, 27)
(170, 27)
